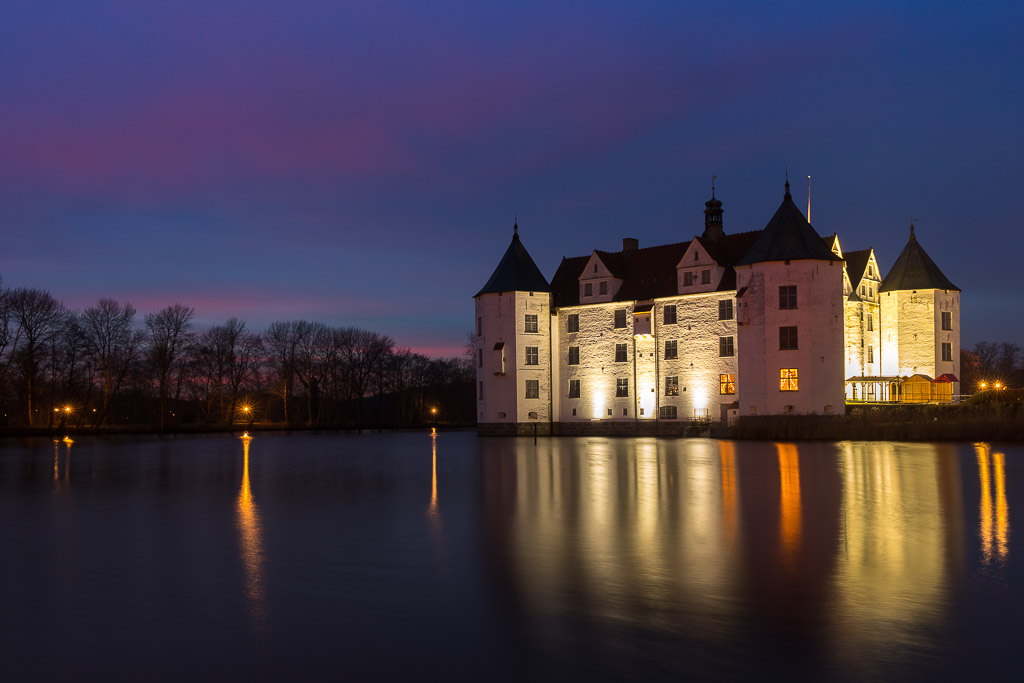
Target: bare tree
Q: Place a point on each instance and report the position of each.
(37, 316)
(113, 343)
(281, 341)
(169, 335)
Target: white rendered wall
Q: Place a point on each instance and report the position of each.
(504, 321)
(912, 335)
(820, 356)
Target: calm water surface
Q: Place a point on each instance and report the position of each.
(451, 557)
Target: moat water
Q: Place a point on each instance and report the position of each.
(315, 557)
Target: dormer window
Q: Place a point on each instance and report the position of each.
(602, 287)
(588, 289)
(595, 267)
(696, 256)
(705, 277)
(687, 279)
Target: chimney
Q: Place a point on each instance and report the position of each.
(630, 244)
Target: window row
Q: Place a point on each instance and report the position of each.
(726, 386)
(726, 348)
(669, 316)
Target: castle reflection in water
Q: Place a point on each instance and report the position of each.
(855, 546)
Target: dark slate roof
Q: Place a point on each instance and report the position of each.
(516, 272)
(856, 264)
(788, 237)
(914, 269)
(649, 273)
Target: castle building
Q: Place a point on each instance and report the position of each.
(773, 321)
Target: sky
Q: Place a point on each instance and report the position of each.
(362, 163)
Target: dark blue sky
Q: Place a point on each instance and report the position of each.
(361, 164)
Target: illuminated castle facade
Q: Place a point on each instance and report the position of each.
(768, 322)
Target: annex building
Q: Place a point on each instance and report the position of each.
(773, 321)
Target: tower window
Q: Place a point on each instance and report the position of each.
(947, 320)
(788, 339)
(669, 315)
(727, 384)
(671, 349)
(788, 379)
(787, 296)
(947, 351)
(480, 358)
(531, 322)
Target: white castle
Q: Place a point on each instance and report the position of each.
(769, 322)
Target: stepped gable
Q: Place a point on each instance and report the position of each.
(788, 237)
(516, 272)
(856, 264)
(914, 269)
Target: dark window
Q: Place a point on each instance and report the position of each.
(481, 390)
(588, 289)
(787, 338)
(602, 287)
(533, 388)
(621, 387)
(725, 346)
(532, 357)
(687, 279)
(727, 384)
(871, 322)
(480, 358)
(671, 350)
(669, 315)
(947, 351)
(574, 388)
(531, 322)
(573, 322)
(668, 412)
(672, 386)
(947, 320)
(787, 296)
(871, 354)
(479, 327)
(574, 355)
(705, 277)
(620, 353)
(725, 309)
(620, 318)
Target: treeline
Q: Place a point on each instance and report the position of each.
(991, 362)
(106, 366)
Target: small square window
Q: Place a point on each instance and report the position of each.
(787, 296)
(574, 390)
(573, 322)
(620, 318)
(672, 385)
(532, 356)
(669, 315)
(725, 346)
(620, 353)
(725, 309)
(531, 322)
(533, 388)
(788, 338)
(671, 349)
(621, 387)
(574, 355)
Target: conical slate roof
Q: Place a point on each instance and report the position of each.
(788, 237)
(516, 272)
(914, 269)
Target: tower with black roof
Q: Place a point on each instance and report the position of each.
(513, 346)
(790, 325)
(920, 311)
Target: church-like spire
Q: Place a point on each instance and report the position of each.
(788, 195)
(515, 224)
(713, 216)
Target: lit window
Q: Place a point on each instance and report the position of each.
(725, 309)
(574, 388)
(727, 384)
(574, 355)
(621, 387)
(573, 322)
(705, 277)
(947, 351)
(602, 287)
(788, 379)
(947, 320)
(533, 388)
(787, 296)
(787, 338)
(725, 346)
(672, 386)
(532, 357)
(669, 315)
(671, 349)
(531, 322)
(620, 318)
(620, 353)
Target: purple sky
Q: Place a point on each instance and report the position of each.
(361, 164)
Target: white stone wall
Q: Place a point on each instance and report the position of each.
(859, 339)
(819, 318)
(913, 335)
(504, 321)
